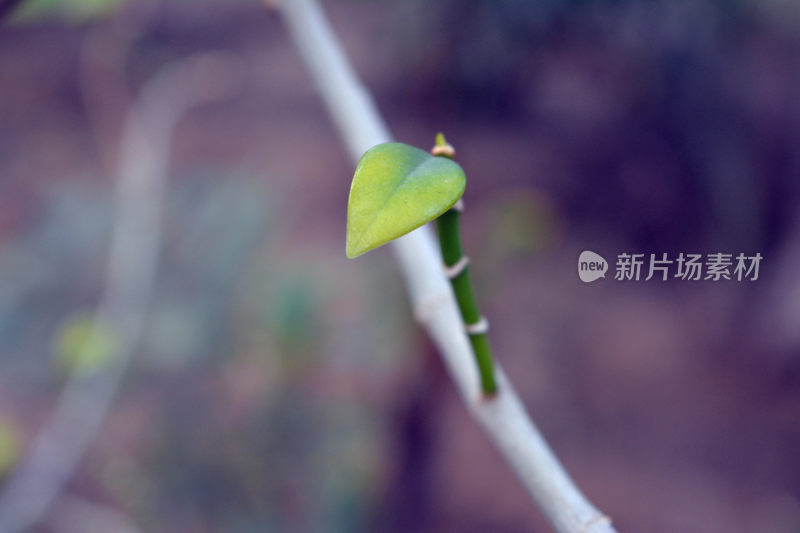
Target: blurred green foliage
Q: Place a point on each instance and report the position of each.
(293, 315)
(83, 344)
(521, 222)
(68, 10)
(10, 446)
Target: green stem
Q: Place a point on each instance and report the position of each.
(448, 226)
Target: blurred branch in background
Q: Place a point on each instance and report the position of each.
(504, 417)
(103, 81)
(120, 317)
(76, 515)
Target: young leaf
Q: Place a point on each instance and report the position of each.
(398, 188)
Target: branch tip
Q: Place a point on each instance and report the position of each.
(442, 147)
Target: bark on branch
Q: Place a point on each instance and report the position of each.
(504, 417)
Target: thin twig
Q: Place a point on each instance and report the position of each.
(86, 398)
(503, 417)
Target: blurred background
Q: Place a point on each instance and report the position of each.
(267, 383)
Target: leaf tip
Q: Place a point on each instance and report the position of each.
(353, 245)
(351, 251)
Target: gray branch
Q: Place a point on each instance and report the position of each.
(504, 418)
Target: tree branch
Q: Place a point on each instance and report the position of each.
(503, 417)
(86, 398)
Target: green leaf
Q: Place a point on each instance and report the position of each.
(398, 188)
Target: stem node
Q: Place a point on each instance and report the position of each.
(456, 268)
